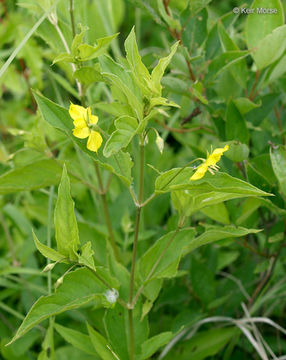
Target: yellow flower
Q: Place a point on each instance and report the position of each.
(83, 126)
(209, 163)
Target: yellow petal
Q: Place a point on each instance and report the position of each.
(81, 133)
(91, 118)
(94, 141)
(215, 156)
(77, 112)
(80, 123)
(200, 172)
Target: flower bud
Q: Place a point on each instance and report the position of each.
(49, 267)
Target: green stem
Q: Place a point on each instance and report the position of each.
(106, 214)
(140, 290)
(134, 253)
(50, 210)
(72, 19)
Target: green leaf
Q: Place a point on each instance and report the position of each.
(118, 335)
(86, 256)
(150, 346)
(172, 23)
(215, 233)
(65, 222)
(179, 179)
(197, 90)
(223, 61)
(139, 70)
(238, 69)
(121, 79)
(278, 160)
(77, 339)
(202, 345)
(270, 48)
(103, 349)
(79, 288)
(172, 248)
(256, 116)
(36, 175)
(202, 279)
(245, 105)
(176, 85)
(126, 128)
(258, 26)
(210, 190)
(59, 118)
(217, 212)
(160, 68)
(160, 101)
(115, 108)
(236, 128)
(88, 75)
(64, 57)
(198, 5)
(78, 39)
(87, 52)
(46, 251)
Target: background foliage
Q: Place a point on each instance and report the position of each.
(227, 75)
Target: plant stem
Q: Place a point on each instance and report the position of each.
(134, 253)
(61, 35)
(49, 238)
(106, 214)
(139, 292)
(72, 19)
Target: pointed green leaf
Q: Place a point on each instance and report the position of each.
(160, 101)
(202, 345)
(46, 251)
(36, 175)
(85, 52)
(139, 70)
(118, 336)
(160, 68)
(65, 222)
(216, 233)
(64, 57)
(86, 256)
(79, 288)
(258, 26)
(235, 128)
(223, 61)
(150, 346)
(77, 339)
(179, 179)
(278, 160)
(101, 346)
(78, 39)
(171, 245)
